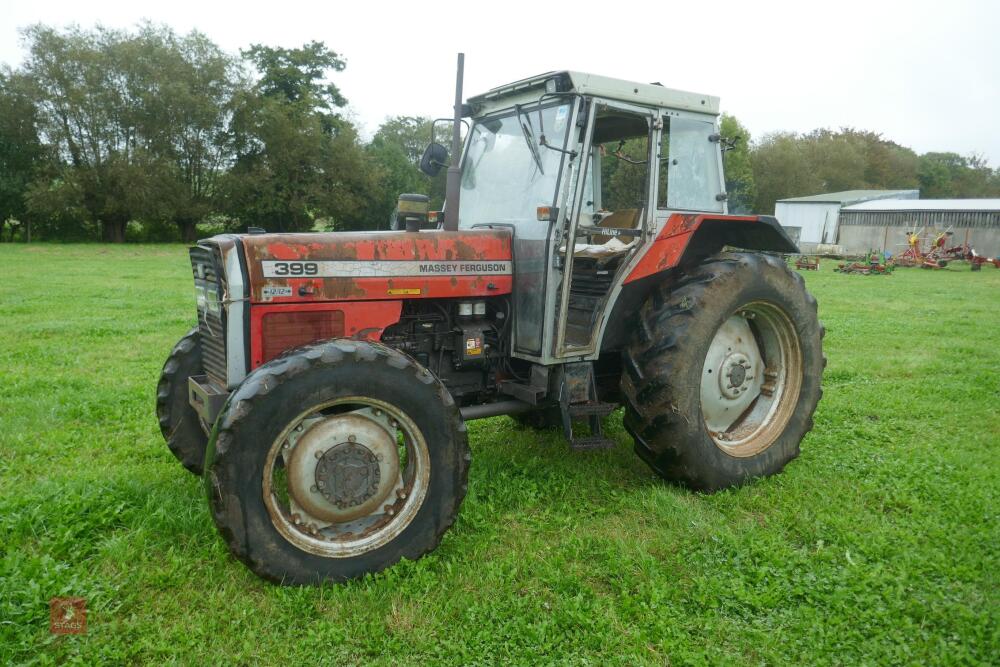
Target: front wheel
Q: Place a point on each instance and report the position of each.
(723, 375)
(185, 432)
(334, 461)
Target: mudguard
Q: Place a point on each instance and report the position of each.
(687, 238)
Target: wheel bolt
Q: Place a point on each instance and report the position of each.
(352, 438)
(319, 454)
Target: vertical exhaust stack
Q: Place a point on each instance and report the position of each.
(453, 185)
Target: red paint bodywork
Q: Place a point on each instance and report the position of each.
(472, 245)
(668, 247)
(368, 304)
(361, 319)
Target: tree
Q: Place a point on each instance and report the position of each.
(88, 116)
(298, 75)
(21, 152)
(951, 175)
(133, 119)
(781, 168)
(298, 161)
(187, 119)
(740, 185)
(396, 149)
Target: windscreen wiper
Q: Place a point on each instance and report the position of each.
(529, 136)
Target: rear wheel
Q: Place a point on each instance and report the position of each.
(185, 432)
(334, 461)
(723, 376)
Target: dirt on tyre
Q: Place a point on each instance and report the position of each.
(723, 374)
(182, 428)
(334, 461)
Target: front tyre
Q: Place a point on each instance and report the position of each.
(334, 461)
(185, 432)
(723, 375)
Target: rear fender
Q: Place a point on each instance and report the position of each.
(689, 238)
(685, 240)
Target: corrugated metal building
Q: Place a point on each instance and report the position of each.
(817, 216)
(882, 224)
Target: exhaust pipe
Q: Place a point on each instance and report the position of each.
(453, 185)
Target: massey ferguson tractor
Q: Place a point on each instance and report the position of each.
(585, 261)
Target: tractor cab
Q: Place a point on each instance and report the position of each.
(585, 170)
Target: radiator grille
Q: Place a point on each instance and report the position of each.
(205, 263)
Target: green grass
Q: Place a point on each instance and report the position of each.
(879, 545)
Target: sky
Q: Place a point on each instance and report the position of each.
(923, 74)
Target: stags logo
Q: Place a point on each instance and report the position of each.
(68, 616)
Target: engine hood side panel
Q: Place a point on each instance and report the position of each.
(342, 266)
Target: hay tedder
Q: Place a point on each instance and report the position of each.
(325, 392)
(929, 249)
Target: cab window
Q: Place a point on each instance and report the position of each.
(618, 184)
(689, 166)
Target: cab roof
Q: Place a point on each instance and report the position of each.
(648, 94)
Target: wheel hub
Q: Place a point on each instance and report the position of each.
(347, 474)
(731, 375)
(342, 467)
(735, 377)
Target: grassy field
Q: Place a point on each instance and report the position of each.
(879, 545)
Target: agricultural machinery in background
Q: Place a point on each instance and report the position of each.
(929, 249)
(807, 263)
(325, 392)
(873, 263)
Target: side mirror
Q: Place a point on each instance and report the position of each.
(434, 157)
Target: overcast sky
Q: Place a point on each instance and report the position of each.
(924, 74)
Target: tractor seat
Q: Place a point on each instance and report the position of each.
(605, 249)
(626, 218)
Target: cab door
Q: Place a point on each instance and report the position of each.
(507, 178)
(612, 213)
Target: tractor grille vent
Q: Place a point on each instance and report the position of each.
(205, 264)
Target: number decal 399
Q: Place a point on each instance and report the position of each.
(280, 269)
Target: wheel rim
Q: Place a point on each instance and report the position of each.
(751, 379)
(346, 477)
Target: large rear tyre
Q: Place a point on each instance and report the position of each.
(723, 375)
(334, 461)
(182, 428)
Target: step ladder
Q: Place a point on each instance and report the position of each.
(578, 402)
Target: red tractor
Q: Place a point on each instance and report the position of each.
(585, 261)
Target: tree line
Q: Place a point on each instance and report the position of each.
(148, 134)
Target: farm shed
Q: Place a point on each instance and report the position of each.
(882, 224)
(817, 215)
